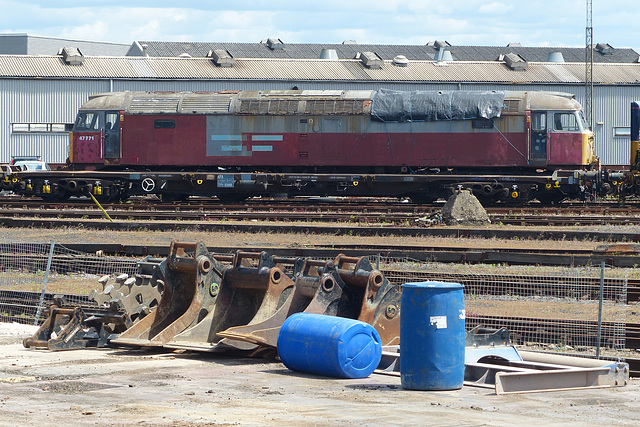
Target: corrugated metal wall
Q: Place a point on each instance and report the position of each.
(57, 101)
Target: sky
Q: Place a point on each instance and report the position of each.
(559, 23)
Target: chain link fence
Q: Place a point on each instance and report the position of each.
(32, 273)
(571, 310)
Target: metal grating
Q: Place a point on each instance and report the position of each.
(205, 104)
(154, 105)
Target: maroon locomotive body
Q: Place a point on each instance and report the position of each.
(332, 131)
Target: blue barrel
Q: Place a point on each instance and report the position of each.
(432, 336)
(329, 345)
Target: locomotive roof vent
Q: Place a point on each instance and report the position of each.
(400, 61)
(370, 60)
(71, 55)
(515, 62)
(514, 44)
(328, 54)
(555, 57)
(274, 44)
(349, 42)
(222, 58)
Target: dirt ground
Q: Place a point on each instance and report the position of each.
(120, 387)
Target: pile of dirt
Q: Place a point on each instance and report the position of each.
(463, 208)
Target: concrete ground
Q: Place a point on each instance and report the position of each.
(120, 387)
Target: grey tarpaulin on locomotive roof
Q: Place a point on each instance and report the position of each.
(418, 105)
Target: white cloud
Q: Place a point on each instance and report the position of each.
(461, 22)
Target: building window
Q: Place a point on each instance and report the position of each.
(41, 127)
(622, 131)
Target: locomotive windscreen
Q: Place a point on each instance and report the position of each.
(418, 105)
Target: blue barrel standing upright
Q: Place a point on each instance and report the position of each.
(432, 336)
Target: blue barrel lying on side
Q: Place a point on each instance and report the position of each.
(329, 345)
(432, 336)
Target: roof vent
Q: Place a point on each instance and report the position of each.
(275, 44)
(401, 61)
(515, 44)
(515, 62)
(349, 42)
(443, 55)
(328, 54)
(184, 55)
(441, 44)
(71, 55)
(555, 57)
(222, 58)
(370, 60)
(604, 48)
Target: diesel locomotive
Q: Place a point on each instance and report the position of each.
(502, 145)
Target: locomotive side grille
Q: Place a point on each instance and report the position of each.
(312, 106)
(154, 105)
(205, 104)
(512, 105)
(269, 106)
(331, 106)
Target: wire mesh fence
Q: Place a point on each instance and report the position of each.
(31, 273)
(547, 308)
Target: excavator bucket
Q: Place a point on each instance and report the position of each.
(347, 287)
(253, 287)
(193, 279)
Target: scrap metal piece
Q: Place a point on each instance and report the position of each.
(192, 280)
(69, 328)
(551, 372)
(482, 337)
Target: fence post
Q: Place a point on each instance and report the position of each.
(44, 284)
(600, 310)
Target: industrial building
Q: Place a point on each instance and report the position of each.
(43, 81)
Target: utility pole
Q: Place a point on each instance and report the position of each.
(588, 63)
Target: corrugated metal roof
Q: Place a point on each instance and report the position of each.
(412, 52)
(309, 70)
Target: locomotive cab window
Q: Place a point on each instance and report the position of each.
(539, 121)
(165, 124)
(87, 122)
(565, 122)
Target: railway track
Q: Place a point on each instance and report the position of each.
(320, 212)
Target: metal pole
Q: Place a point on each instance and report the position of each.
(378, 261)
(44, 284)
(600, 309)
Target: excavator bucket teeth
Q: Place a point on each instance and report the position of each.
(192, 280)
